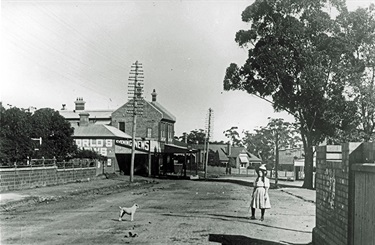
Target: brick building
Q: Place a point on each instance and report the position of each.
(156, 152)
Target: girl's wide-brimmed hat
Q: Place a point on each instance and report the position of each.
(263, 167)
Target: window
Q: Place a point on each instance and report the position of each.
(170, 132)
(149, 133)
(121, 126)
(162, 131)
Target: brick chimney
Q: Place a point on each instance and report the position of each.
(84, 119)
(229, 148)
(80, 104)
(153, 94)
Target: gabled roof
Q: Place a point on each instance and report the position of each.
(166, 114)
(99, 130)
(237, 151)
(99, 114)
(221, 149)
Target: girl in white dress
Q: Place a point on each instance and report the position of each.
(260, 198)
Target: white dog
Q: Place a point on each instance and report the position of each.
(130, 211)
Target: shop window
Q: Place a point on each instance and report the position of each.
(121, 126)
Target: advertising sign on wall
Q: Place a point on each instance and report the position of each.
(142, 145)
(101, 146)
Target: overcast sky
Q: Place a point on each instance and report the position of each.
(55, 51)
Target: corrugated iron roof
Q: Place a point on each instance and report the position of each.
(102, 114)
(221, 150)
(166, 114)
(236, 151)
(99, 130)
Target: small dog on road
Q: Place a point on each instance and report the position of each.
(130, 211)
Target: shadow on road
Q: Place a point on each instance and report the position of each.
(257, 222)
(236, 218)
(239, 240)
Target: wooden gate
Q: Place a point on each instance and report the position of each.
(363, 204)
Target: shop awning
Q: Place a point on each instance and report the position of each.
(172, 148)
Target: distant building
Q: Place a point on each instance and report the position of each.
(293, 159)
(225, 155)
(94, 117)
(240, 158)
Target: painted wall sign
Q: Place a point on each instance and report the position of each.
(101, 146)
(139, 144)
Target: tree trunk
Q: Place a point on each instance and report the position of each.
(309, 160)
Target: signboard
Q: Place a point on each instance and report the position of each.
(101, 146)
(142, 145)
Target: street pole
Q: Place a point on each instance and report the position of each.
(206, 160)
(277, 159)
(208, 143)
(133, 147)
(135, 90)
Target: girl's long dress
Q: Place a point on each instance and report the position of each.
(261, 198)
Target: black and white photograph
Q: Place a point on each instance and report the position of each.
(187, 122)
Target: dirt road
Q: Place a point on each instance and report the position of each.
(171, 212)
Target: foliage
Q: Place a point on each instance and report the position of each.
(15, 131)
(262, 143)
(18, 128)
(293, 61)
(233, 136)
(196, 136)
(55, 131)
(357, 31)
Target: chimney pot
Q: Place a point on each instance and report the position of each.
(80, 104)
(154, 94)
(229, 149)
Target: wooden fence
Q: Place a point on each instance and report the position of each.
(363, 218)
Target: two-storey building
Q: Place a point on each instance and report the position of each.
(155, 149)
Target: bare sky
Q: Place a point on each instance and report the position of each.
(55, 51)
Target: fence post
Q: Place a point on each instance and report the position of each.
(15, 175)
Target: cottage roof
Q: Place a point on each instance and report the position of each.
(99, 130)
(221, 149)
(237, 151)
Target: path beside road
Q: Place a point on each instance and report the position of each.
(291, 187)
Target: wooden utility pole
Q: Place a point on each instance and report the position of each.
(277, 158)
(135, 91)
(210, 111)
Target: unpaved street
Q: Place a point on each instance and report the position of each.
(171, 212)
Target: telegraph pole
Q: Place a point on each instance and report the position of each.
(209, 125)
(135, 107)
(277, 158)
